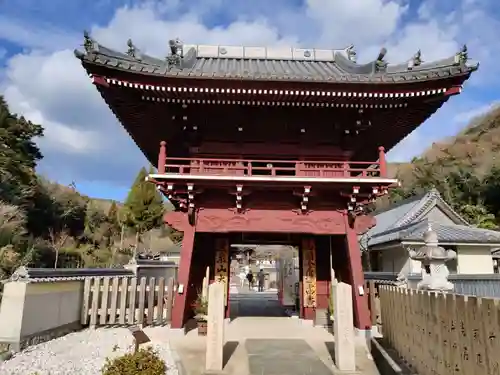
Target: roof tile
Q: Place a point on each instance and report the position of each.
(406, 221)
(276, 63)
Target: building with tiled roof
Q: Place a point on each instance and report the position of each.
(401, 227)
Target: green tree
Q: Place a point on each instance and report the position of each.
(95, 224)
(64, 216)
(144, 204)
(19, 155)
(491, 191)
(478, 216)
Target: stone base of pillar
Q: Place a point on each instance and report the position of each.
(177, 331)
(307, 322)
(368, 333)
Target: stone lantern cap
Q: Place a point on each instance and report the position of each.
(431, 251)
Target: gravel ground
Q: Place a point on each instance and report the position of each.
(84, 353)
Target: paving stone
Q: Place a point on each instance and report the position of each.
(283, 357)
(250, 303)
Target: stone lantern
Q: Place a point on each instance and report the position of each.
(433, 258)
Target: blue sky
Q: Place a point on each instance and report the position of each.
(41, 79)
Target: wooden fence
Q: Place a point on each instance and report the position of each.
(371, 290)
(127, 301)
(442, 334)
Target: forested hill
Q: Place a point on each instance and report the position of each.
(45, 224)
(465, 169)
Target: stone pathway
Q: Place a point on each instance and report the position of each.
(246, 303)
(283, 356)
(261, 341)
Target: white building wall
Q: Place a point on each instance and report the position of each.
(474, 260)
(470, 260)
(396, 260)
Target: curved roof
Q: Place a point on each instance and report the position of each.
(407, 221)
(447, 233)
(274, 63)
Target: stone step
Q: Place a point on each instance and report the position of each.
(321, 318)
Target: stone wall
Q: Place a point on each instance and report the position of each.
(41, 304)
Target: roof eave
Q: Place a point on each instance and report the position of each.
(453, 243)
(374, 79)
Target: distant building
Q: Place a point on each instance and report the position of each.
(401, 226)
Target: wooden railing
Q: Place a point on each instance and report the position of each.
(127, 301)
(272, 168)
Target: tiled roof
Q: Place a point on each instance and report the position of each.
(45, 275)
(406, 212)
(447, 233)
(406, 220)
(268, 63)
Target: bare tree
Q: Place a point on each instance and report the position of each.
(57, 241)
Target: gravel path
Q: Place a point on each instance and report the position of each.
(84, 352)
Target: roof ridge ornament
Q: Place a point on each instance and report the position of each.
(176, 52)
(351, 53)
(416, 60)
(380, 63)
(133, 51)
(462, 56)
(89, 44)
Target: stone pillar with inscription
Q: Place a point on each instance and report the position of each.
(343, 326)
(308, 277)
(222, 264)
(215, 327)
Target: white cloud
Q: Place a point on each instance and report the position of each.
(47, 84)
(465, 117)
(45, 36)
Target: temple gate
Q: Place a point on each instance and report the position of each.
(270, 141)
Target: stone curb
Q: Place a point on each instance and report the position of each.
(178, 363)
(384, 362)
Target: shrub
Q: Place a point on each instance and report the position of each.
(143, 362)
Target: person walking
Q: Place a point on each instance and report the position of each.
(261, 277)
(243, 276)
(250, 279)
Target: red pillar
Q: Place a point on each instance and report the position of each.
(357, 278)
(162, 156)
(180, 308)
(308, 264)
(382, 162)
(279, 281)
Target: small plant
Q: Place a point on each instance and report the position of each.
(143, 362)
(200, 308)
(331, 310)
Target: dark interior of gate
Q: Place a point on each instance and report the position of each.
(329, 252)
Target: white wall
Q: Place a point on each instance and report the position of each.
(32, 312)
(396, 259)
(474, 260)
(470, 260)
